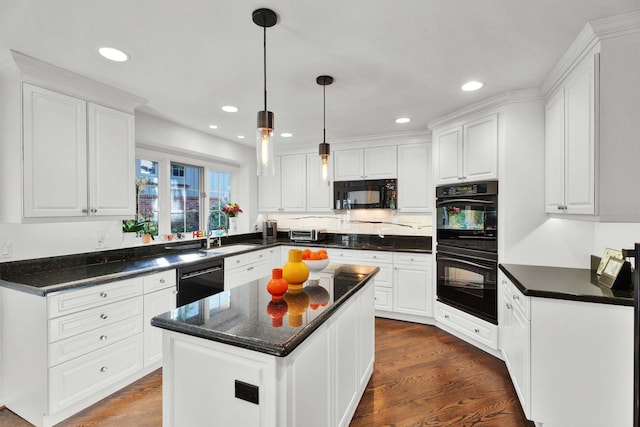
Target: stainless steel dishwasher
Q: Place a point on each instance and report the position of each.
(199, 281)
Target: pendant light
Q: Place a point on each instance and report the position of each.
(324, 148)
(265, 18)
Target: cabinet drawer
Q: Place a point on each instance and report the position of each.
(235, 261)
(376, 256)
(383, 298)
(77, 323)
(257, 256)
(77, 345)
(82, 299)
(157, 281)
(342, 255)
(470, 326)
(415, 259)
(72, 381)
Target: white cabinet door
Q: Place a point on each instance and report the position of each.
(448, 151)
(580, 139)
(554, 153)
(269, 190)
(111, 162)
(348, 165)
(156, 303)
(415, 178)
(294, 183)
(55, 154)
(319, 191)
(380, 163)
(480, 155)
(411, 287)
(346, 361)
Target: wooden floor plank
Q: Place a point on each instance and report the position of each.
(422, 377)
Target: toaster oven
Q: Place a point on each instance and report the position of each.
(308, 234)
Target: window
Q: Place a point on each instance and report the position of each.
(185, 197)
(147, 194)
(219, 195)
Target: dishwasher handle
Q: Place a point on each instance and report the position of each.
(200, 272)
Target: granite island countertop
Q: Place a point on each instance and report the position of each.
(574, 284)
(247, 316)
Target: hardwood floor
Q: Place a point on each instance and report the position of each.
(422, 377)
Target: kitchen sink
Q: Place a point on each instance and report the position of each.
(229, 249)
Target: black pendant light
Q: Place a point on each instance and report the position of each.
(265, 18)
(324, 148)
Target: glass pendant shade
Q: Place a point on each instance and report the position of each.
(264, 144)
(324, 150)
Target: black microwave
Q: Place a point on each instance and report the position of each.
(365, 194)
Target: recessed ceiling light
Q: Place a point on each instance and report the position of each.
(113, 54)
(213, 126)
(230, 109)
(471, 86)
(240, 136)
(286, 135)
(403, 120)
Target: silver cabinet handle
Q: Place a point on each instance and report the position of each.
(103, 337)
(509, 306)
(94, 210)
(446, 316)
(84, 211)
(161, 280)
(516, 297)
(103, 316)
(103, 294)
(104, 369)
(476, 330)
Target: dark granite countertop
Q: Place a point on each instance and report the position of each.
(241, 316)
(575, 284)
(47, 275)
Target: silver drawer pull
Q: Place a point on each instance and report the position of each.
(103, 337)
(161, 280)
(516, 297)
(509, 306)
(103, 316)
(104, 369)
(103, 294)
(446, 316)
(476, 330)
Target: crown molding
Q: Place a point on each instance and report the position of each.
(588, 42)
(520, 95)
(397, 137)
(55, 78)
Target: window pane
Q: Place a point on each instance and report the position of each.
(147, 194)
(219, 195)
(185, 198)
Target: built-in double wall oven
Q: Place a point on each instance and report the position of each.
(467, 248)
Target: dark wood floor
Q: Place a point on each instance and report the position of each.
(422, 377)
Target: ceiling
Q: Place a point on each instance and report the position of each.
(389, 59)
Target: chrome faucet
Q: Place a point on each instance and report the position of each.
(210, 229)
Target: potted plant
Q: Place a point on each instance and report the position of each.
(131, 228)
(231, 210)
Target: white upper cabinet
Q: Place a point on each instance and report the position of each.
(415, 189)
(319, 191)
(286, 190)
(467, 151)
(367, 163)
(570, 142)
(78, 157)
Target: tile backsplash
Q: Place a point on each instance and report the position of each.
(359, 221)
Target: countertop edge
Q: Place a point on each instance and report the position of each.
(611, 300)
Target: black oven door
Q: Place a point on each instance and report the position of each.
(468, 222)
(467, 281)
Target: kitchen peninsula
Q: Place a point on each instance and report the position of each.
(242, 358)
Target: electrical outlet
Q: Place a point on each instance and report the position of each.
(5, 249)
(101, 240)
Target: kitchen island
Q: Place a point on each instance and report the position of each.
(243, 358)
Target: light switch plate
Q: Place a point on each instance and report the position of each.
(5, 249)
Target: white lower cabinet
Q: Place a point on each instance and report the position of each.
(243, 268)
(564, 356)
(78, 346)
(319, 384)
(412, 284)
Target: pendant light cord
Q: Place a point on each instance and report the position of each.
(324, 113)
(265, 65)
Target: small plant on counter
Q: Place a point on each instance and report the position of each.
(132, 226)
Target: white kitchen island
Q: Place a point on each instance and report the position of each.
(229, 362)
